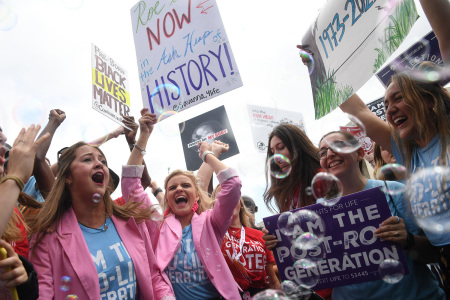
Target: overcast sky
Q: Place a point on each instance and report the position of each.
(45, 63)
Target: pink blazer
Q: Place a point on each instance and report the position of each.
(208, 230)
(67, 254)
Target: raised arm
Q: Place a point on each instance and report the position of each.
(20, 166)
(205, 172)
(130, 136)
(376, 129)
(42, 171)
(103, 139)
(438, 14)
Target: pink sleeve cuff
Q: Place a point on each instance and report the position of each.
(226, 174)
(132, 171)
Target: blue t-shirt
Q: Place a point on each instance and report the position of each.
(30, 190)
(187, 274)
(114, 265)
(420, 283)
(429, 206)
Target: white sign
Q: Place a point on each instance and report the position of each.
(110, 95)
(183, 54)
(264, 119)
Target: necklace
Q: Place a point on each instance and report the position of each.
(100, 229)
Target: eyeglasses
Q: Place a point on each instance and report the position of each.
(60, 152)
(334, 148)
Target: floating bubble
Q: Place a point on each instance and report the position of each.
(284, 224)
(72, 297)
(289, 287)
(357, 122)
(307, 241)
(306, 221)
(73, 4)
(270, 294)
(162, 93)
(326, 188)
(29, 111)
(393, 172)
(65, 283)
(8, 19)
(96, 197)
(391, 271)
(94, 134)
(309, 268)
(169, 128)
(156, 214)
(308, 60)
(308, 191)
(5, 9)
(279, 166)
(428, 192)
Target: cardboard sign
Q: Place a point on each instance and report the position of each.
(349, 253)
(350, 40)
(110, 86)
(210, 126)
(264, 119)
(183, 54)
(427, 49)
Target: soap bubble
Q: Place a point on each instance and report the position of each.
(163, 92)
(428, 192)
(309, 268)
(391, 271)
(72, 297)
(94, 133)
(284, 224)
(307, 241)
(65, 283)
(326, 188)
(393, 172)
(270, 294)
(304, 55)
(29, 111)
(96, 197)
(279, 166)
(306, 221)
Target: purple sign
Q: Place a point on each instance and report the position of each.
(349, 252)
(427, 49)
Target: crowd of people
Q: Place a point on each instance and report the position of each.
(66, 238)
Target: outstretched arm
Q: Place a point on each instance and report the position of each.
(376, 129)
(20, 166)
(438, 14)
(42, 171)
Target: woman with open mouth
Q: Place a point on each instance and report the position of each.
(399, 228)
(87, 245)
(189, 238)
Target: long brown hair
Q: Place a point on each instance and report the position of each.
(59, 200)
(430, 110)
(204, 202)
(304, 165)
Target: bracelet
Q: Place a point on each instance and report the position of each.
(18, 181)
(206, 153)
(410, 241)
(157, 191)
(140, 149)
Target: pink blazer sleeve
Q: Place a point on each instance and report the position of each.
(226, 202)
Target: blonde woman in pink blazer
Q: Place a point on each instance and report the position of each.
(188, 242)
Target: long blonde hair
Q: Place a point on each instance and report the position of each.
(59, 200)
(419, 95)
(204, 201)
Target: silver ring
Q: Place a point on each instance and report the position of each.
(398, 219)
(21, 141)
(396, 234)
